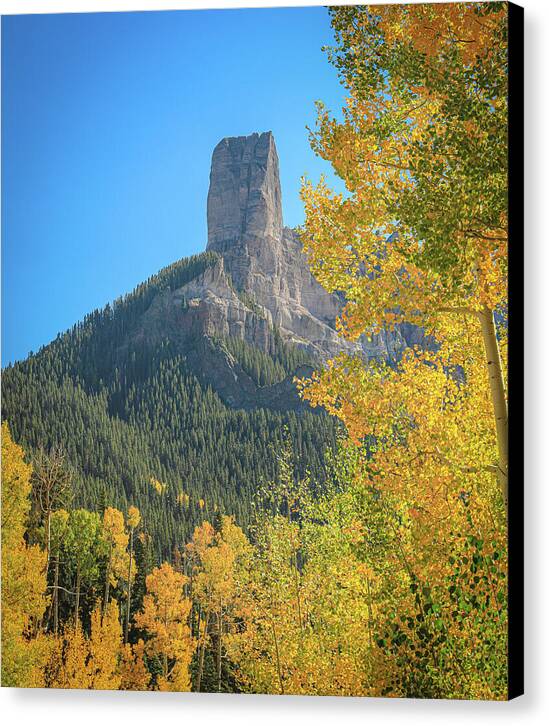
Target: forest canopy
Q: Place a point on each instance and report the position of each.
(364, 549)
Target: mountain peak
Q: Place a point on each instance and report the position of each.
(263, 262)
(244, 199)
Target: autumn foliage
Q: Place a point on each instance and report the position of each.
(391, 578)
(420, 239)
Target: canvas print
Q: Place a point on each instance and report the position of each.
(260, 288)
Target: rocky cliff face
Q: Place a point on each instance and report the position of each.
(260, 281)
(263, 272)
(244, 199)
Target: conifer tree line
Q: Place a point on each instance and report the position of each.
(363, 558)
(127, 414)
(266, 369)
(170, 429)
(308, 602)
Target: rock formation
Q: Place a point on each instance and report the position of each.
(263, 272)
(261, 281)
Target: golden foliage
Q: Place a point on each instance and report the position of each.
(134, 517)
(157, 485)
(105, 645)
(134, 675)
(24, 599)
(421, 238)
(88, 663)
(116, 539)
(392, 581)
(165, 619)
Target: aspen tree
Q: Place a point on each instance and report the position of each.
(164, 617)
(421, 234)
(134, 517)
(24, 598)
(116, 541)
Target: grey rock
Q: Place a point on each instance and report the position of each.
(244, 199)
(261, 282)
(265, 260)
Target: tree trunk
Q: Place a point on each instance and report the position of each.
(370, 618)
(165, 658)
(202, 653)
(293, 565)
(107, 584)
(278, 668)
(192, 608)
(219, 637)
(77, 604)
(499, 399)
(199, 621)
(48, 538)
(44, 621)
(127, 623)
(56, 596)
(297, 590)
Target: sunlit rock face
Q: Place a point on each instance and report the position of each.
(258, 288)
(264, 259)
(244, 199)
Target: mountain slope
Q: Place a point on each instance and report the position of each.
(131, 404)
(188, 380)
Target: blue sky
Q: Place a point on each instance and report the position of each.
(109, 122)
